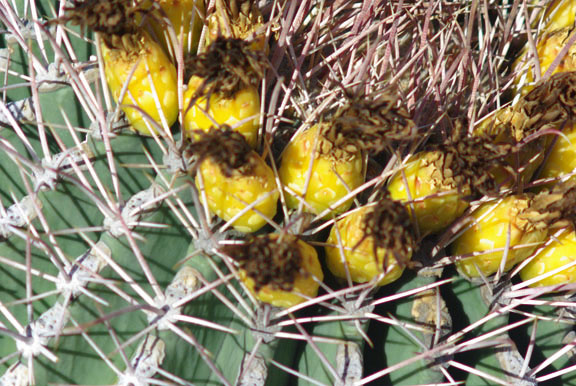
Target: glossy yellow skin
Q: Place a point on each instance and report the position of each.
(305, 284)
(493, 220)
(558, 22)
(244, 106)
(562, 157)
(360, 261)
(561, 14)
(118, 65)
(432, 213)
(330, 179)
(228, 196)
(186, 17)
(548, 48)
(558, 253)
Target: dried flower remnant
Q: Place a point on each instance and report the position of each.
(227, 66)
(279, 269)
(555, 209)
(240, 19)
(550, 105)
(115, 20)
(529, 124)
(373, 124)
(226, 148)
(323, 164)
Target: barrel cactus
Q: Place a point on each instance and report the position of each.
(115, 270)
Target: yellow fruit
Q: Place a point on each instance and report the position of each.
(507, 127)
(186, 17)
(131, 57)
(527, 125)
(235, 177)
(560, 14)
(278, 269)
(228, 196)
(496, 223)
(376, 242)
(323, 164)
(562, 157)
(437, 185)
(240, 19)
(555, 30)
(243, 106)
(549, 47)
(154, 77)
(434, 200)
(557, 209)
(560, 252)
(319, 172)
(222, 89)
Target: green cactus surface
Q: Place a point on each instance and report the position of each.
(113, 271)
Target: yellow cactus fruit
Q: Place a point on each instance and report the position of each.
(155, 77)
(434, 200)
(437, 185)
(561, 159)
(548, 48)
(244, 107)
(278, 269)
(234, 177)
(548, 106)
(131, 56)
(318, 173)
(186, 17)
(324, 163)
(509, 220)
(554, 30)
(558, 209)
(240, 19)
(528, 126)
(559, 252)
(559, 14)
(372, 242)
(222, 89)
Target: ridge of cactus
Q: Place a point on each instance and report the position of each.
(138, 247)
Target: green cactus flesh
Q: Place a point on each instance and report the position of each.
(113, 272)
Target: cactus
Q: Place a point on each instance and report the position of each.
(113, 271)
